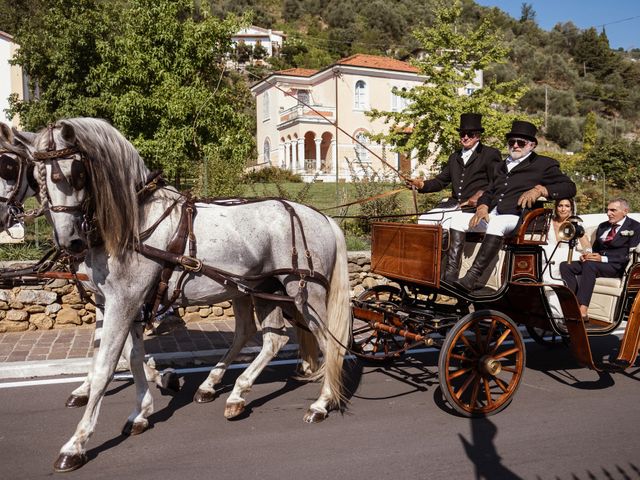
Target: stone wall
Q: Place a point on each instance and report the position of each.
(57, 304)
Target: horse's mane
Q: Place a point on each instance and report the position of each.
(115, 170)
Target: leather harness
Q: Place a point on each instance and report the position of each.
(173, 256)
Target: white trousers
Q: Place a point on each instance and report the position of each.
(438, 216)
(498, 224)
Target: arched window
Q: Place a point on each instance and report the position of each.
(265, 106)
(362, 154)
(266, 151)
(398, 103)
(360, 96)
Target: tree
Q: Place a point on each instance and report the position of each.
(454, 54)
(618, 160)
(155, 70)
(58, 50)
(527, 13)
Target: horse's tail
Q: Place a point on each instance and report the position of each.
(338, 320)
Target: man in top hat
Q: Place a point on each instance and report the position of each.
(519, 181)
(468, 170)
(609, 256)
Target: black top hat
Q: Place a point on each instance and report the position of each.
(522, 129)
(471, 122)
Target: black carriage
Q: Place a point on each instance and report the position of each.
(482, 352)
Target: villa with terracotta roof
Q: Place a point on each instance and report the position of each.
(307, 119)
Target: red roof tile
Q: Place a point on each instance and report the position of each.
(297, 72)
(375, 61)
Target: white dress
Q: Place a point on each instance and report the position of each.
(552, 271)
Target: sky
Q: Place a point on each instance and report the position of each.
(621, 18)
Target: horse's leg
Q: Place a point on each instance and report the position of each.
(80, 396)
(118, 315)
(137, 421)
(245, 329)
(273, 339)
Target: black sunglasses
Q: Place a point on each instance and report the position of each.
(521, 143)
(470, 134)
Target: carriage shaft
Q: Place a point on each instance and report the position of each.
(376, 321)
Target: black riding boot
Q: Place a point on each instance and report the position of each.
(454, 254)
(489, 249)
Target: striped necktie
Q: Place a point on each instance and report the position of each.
(612, 233)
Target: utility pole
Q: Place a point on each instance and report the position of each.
(546, 107)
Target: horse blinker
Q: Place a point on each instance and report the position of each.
(9, 168)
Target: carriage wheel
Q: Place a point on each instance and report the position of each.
(481, 363)
(371, 344)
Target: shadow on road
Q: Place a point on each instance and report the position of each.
(481, 450)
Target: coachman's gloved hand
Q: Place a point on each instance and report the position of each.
(528, 198)
(417, 183)
(482, 213)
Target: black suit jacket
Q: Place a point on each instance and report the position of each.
(536, 169)
(617, 250)
(467, 179)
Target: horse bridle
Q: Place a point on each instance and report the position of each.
(79, 179)
(13, 169)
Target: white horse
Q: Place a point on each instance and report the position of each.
(90, 177)
(18, 184)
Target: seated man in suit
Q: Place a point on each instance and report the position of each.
(610, 253)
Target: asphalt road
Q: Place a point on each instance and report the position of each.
(565, 422)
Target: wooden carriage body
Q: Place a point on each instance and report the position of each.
(416, 307)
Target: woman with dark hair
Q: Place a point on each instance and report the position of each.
(563, 210)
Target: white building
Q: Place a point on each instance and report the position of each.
(307, 119)
(271, 40)
(11, 78)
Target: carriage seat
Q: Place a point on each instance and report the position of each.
(606, 291)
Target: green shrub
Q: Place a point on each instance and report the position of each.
(271, 175)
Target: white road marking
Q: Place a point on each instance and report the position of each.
(235, 366)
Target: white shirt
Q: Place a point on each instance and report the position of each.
(603, 237)
(512, 163)
(466, 154)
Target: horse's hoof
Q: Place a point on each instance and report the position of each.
(134, 428)
(170, 381)
(69, 462)
(76, 401)
(204, 396)
(313, 416)
(232, 410)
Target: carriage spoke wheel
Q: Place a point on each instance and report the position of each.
(481, 363)
(369, 343)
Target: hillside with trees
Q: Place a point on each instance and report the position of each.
(156, 70)
(569, 71)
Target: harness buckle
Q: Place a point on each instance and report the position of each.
(190, 264)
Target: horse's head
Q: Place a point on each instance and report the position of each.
(88, 175)
(62, 173)
(16, 174)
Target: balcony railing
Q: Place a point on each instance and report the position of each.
(317, 113)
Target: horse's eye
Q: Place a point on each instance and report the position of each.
(8, 168)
